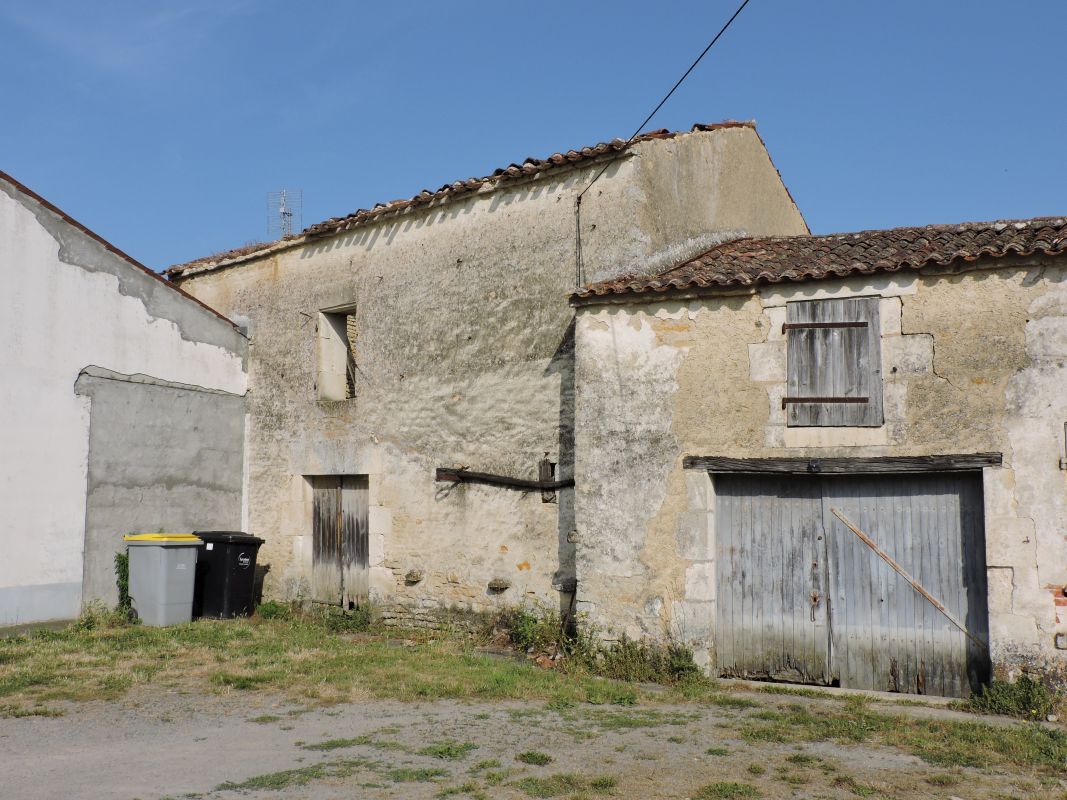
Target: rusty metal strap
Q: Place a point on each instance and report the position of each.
(466, 476)
(793, 400)
(796, 326)
(867, 540)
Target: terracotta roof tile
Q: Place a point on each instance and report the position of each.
(529, 167)
(752, 262)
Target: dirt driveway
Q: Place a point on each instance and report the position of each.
(248, 745)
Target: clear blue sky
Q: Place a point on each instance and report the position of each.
(162, 125)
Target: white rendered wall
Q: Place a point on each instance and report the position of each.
(56, 319)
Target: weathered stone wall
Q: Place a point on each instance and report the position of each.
(972, 362)
(464, 358)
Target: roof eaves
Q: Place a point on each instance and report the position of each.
(515, 173)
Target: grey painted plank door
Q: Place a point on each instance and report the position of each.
(340, 563)
(777, 538)
(885, 635)
(771, 578)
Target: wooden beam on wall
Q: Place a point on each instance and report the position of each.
(966, 462)
(466, 476)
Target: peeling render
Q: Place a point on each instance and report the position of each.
(973, 361)
(75, 306)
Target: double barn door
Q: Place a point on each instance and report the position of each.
(801, 598)
(340, 559)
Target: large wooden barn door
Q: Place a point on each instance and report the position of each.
(771, 579)
(801, 598)
(885, 635)
(340, 557)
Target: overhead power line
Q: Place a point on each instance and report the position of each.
(666, 97)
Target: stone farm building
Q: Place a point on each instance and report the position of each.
(435, 333)
(738, 412)
(714, 441)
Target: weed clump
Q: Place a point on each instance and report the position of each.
(726, 791)
(449, 750)
(581, 649)
(122, 582)
(272, 609)
(644, 661)
(338, 620)
(535, 757)
(1025, 697)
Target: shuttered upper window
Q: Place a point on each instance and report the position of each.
(834, 359)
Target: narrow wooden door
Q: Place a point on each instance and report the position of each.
(771, 579)
(340, 557)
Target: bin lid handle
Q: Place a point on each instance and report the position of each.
(162, 537)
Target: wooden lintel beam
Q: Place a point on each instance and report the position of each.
(966, 462)
(466, 476)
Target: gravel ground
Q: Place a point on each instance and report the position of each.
(234, 745)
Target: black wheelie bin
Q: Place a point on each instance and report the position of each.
(225, 574)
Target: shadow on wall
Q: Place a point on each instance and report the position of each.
(386, 231)
(562, 364)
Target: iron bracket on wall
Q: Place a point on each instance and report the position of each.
(453, 475)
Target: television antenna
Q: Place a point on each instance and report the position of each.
(285, 213)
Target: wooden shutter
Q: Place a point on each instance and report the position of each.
(835, 363)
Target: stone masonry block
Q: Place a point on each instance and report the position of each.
(694, 535)
(700, 582)
(767, 362)
(1010, 541)
(692, 621)
(894, 401)
(379, 520)
(998, 487)
(889, 309)
(776, 316)
(775, 393)
(907, 355)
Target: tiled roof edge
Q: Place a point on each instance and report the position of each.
(689, 280)
(530, 168)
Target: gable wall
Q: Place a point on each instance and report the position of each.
(70, 304)
(465, 360)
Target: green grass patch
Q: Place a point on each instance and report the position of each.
(449, 750)
(16, 712)
(727, 791)
(852, 785)
(717, 751)
(469, 789)
(416, 774)
(302, 658)
(944, 779)
(941, 742)
(1025, 698)
(265, 719)
(535, 757)
(564, 783)
(296, 777)
(334, 744)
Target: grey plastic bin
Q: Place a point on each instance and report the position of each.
(162, 576)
